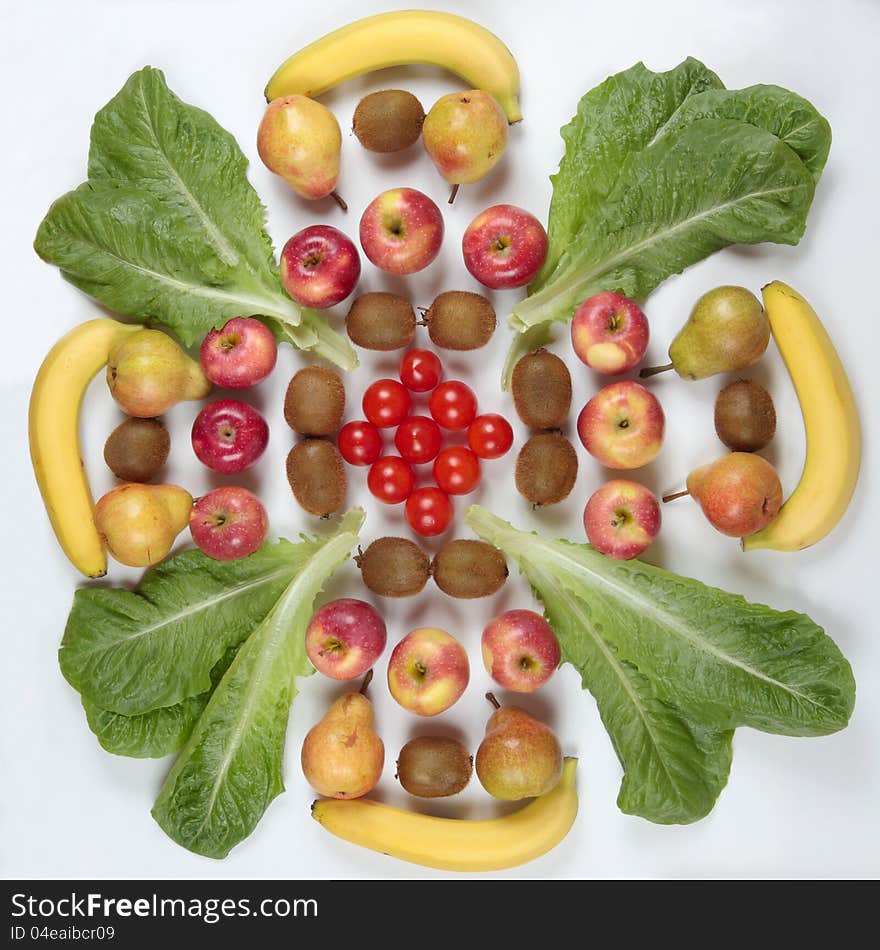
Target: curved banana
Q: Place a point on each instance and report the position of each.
(455, 844)
(831, 421)
(397, 39)
(53, 431)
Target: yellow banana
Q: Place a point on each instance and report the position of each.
(397, 39)
(455, 844)
(831, 421)
(53, 431)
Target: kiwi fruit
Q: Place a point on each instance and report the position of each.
(381, 321)
(460, 320)
(434, 766)
(745, 417)
(316, 474)
(541, 387)
(546, 468)
(388, 121)
(137, 449)
(394, 567)
(468, 569)
(314, 401)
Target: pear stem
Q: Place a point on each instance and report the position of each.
(654, 370)
(493, 700)
(366, 682)
(339, 200)
(453, 193)
(674, 495)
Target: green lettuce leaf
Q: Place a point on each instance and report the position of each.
(229, 771)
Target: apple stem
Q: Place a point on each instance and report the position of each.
(366, 682)
(493, 700)
(339, 200)
(654, 370)
(453, 194)
(674, 495)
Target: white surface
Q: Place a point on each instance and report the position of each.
(793, 807)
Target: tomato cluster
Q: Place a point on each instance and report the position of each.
(387, 404)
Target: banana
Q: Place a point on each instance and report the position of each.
(831, 421)
(454, 844)
(397, 39)
(53, 431)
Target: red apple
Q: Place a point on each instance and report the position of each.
(609, 333)
(229, 436)
(428, 671)
(622, 425)
(320, 266)
(622, 518)
(504, 246)
(228, 523)
(345, 638)
(401, 231)
(520, 650)
(240, 354)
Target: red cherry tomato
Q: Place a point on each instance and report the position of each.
(457, 470)
(418, 439)
(453, 405)
(359, 443)
(386, 403)
(490, 436)
(428, 511)
(391, 480)
(420, 370)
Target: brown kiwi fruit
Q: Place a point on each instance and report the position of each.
(434, 766)
(388, 121)
(546, 468)
(394, 567)
(468, 569)
(316, 474)
(460, 320)
(137, 449)
(745, 417)
(381, 321)
(314, 401)
(541, 387)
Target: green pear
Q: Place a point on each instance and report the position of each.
(140, 522)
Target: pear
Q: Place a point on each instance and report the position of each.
(465, 133)
(148, 373)
(299, 139)
(140, 522)
(519, 756)
(342, 755)
(726, 331)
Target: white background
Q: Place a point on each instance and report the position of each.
(793, 807)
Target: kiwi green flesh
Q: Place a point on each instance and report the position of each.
(381, 321)
(467, 569)
(460, 320)
(546, 469)
(541, 389)
(315, 401)
(745, 417)
(388, 121)
(316, 474)
(394, 567)
(137, 449)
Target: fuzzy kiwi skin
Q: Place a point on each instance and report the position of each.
(467, 569)
(317, 478)
(315, 401)
(388, 121)
(434, 766)
(394, 567)
(460, 320)
(381, 321)
(541, 388)
(137, 449)
(745, 417)
(546, 468)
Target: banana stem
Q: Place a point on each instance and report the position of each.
(674, 495)
(654, 370)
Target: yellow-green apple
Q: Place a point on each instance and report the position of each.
(229, 436)
(504, 246)
(622, 518)
(320, 266)
(520, 650)
(401, 231)
(428, 671)
(609, 333)
(344, 638)
(240, 354)
(622, 425)
(228, 523)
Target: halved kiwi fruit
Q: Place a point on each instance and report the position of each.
(546, 468)
(381, 321)
(466, 569)
(460, 320)
(137, 449)
(314, 401)
(745, 417)
(317, 478)
(541, 389)
(388, 121)
(394, 567)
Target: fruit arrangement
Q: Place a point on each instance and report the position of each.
(205, 653)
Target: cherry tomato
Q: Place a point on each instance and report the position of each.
(359, 443)
(386, 403)
(453, 405)
(428, 511)
(418, 439)
(420, 370)
(490, 436)
(457, 470)
(391, 480)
